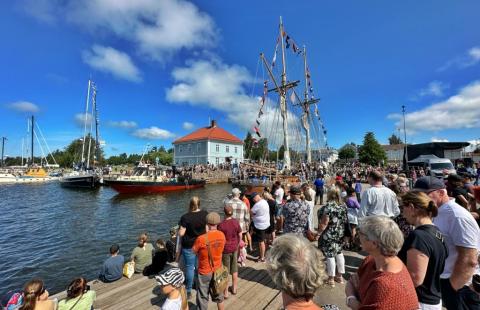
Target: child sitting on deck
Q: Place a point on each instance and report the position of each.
(171, 283)
(112, 268)
(159, 259)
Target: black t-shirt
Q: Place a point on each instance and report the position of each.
(195, 223)
(428, 240)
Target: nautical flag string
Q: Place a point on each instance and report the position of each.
(289, 41)
(258, 122)
(257, 131)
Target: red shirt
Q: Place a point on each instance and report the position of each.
(385, 290)
(230, 228)
(217, 241)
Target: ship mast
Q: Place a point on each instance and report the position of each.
(283, 102)
(33, 122)
(306, 107)
(85, 124)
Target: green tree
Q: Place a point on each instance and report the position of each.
(371, 152)
(394, 139)
(347, 152)
(248, 143)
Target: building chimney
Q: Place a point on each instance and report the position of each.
(213, 124)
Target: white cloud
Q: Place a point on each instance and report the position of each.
(438, 140)
(158, 28)
(434, 89)
(188, 125)
(153, 133)
(110, 60)
(123, 124)
(217, 86)
(82, 118)
(470, 58)
(23, 106)
(459, 111)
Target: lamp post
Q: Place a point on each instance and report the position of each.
(3, 148)
(405, 139)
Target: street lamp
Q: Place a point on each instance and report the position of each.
(405, 139)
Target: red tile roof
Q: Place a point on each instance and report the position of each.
(210, 133)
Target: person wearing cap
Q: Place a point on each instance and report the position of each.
(261, 223)
(296, 213)
(216, 243)
(456, 190)
(240, 211)
(112, 268)
(462, 236)
(378, 199)
(171, 283)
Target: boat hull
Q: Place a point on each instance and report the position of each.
(80, 182)
(139, 187)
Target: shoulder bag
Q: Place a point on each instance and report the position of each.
(219, 281)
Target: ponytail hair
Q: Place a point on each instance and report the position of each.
(422, 203)
(142, 240)
(76, 288)
(31, 291)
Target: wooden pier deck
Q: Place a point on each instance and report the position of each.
(255, 291)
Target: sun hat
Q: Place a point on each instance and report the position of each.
(172, 276)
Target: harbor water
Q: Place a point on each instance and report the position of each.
(57, 234)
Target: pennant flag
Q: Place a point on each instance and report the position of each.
(316, 110)
(311, 89)
(257, 131)
(275, 53)
(324, 132)
(287, 42)
(295, 47)
(292, 97)
(258, 123)
(260, 113)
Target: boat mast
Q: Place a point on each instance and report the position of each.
(85, 123)
(306, 107)
(94, 94)
(32, 128)
(283, 102)
(97, 136)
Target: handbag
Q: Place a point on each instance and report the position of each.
(129, 269)
(219, 281)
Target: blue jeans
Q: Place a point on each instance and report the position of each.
(190, 261)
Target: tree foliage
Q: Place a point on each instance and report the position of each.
(347, 152)
(371, 152)
(394, 139)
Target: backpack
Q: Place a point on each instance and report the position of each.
(12, 300)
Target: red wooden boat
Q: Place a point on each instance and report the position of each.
(149, 179)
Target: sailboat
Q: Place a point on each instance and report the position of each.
(301, 124)
(35, 173)
(84, 174)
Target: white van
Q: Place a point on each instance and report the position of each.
(433, 165)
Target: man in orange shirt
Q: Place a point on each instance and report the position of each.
(216, 241)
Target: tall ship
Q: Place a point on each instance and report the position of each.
(32, 172)
(85, 174)
(288, 136)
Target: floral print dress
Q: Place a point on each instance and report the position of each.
(331, 240)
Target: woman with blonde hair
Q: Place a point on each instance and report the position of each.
(192, 224)
(331, 228)
(143, 253)
(35, 297)
(424, 251)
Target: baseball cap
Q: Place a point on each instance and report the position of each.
(172, 276)
(213, 218)
(428, 184)
(236, 191)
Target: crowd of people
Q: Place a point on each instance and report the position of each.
(422, 241)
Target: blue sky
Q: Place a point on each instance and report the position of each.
(163, 68)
